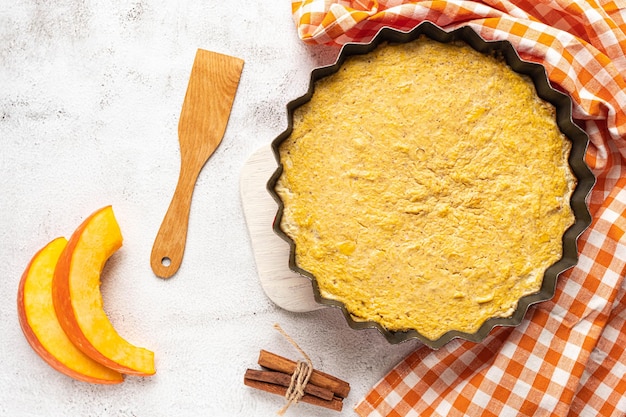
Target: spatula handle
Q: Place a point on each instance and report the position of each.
(169, 244)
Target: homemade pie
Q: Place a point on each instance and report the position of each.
(426, 186)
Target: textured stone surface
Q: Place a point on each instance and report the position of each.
(91, 94)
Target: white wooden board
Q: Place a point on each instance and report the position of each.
(284, 287)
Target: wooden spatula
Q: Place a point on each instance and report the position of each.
(203, 119)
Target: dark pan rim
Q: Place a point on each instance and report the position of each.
(578, 201)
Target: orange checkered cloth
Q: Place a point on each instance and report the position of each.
(567, 357)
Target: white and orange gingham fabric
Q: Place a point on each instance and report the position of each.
(567, 358)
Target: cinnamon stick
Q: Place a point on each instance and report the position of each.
(334, 404)
(277, 363)
(279, 378)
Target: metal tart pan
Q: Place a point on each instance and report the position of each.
(563, 106)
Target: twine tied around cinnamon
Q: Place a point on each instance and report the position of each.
(300, 376)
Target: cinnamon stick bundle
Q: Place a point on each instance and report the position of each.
(322, 389)
(278, 363)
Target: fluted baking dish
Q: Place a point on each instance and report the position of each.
(579, 140)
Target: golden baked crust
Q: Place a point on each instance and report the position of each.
(426, 186)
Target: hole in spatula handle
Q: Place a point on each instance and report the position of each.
(166, 261)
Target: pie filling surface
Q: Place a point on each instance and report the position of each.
(426, 186)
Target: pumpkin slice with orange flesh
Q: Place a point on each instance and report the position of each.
(78, 300)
